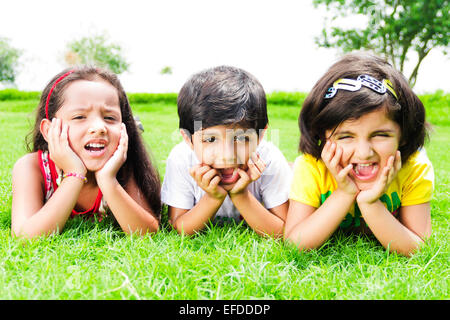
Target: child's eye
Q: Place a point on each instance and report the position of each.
(110, 118)
(209, 139)
(78, 117)
(381, 135)
(242, 138)
(344, 137)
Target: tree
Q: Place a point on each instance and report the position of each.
(96, 50)
(166, 70)
(394, 28)
(9, 57)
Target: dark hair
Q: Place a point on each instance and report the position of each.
(319, 114)
(222, 95)
(138, 163)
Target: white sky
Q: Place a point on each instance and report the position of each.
(274, 40)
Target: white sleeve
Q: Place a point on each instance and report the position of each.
(276, 179)
(177, 189)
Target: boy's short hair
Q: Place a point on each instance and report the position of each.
(319, 114)
(222, 95)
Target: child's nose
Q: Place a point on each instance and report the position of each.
(97, 126)
(227, 155)
(364, 150)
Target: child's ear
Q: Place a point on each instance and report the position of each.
(187, 138)
(261, 133)
(44, 126)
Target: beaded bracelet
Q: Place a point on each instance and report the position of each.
(76, 175)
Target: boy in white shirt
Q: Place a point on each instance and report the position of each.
(224, 169)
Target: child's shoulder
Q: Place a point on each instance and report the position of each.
(181, 154)
(268, 151)
(306, 165)
(419, 157)
(28, 165)
(418, 164)
(28, 160)
(180, 150)
(310, 161)
(181, 147)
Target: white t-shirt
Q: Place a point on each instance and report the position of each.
(180, 190)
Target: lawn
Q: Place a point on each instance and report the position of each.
(97, 261)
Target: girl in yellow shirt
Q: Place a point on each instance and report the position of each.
(363, 166)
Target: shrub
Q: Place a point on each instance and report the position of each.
(14, 94)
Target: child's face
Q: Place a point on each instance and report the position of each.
(92, 111)
(225, 148)
(367, 143)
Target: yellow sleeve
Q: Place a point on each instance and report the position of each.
(419, 183)
(305, 187)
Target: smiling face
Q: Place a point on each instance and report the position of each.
(92, 111)
(367, 144)
(225, 148)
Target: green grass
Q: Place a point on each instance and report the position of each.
(97, 261)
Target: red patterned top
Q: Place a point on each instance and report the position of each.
(52, 180)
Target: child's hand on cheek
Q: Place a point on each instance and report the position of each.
(388, 174)
(112, 166)
(255, 169)
(60, 151)
(331, 156)
(208, 179)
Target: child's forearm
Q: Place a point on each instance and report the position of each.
(130, 215)
(258, 218)
(317, 228)
(53, 216)
(388, 230)
(195, 219)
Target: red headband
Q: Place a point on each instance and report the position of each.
(51, 90)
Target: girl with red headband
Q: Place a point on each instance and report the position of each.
(86, 158)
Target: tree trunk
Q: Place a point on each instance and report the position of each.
(413, 77)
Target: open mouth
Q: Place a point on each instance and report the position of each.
(228, 175)
(365, 171)
(95, 149)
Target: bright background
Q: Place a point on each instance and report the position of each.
(274, 40)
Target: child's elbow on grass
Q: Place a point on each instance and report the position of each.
(20, 233)
(301, 246)
(410, 250)
(179, 227)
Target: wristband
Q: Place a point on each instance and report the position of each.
(76, 175)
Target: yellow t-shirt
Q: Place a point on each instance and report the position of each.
(312, 184)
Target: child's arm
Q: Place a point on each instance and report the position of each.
(405, 235)
(30, 217)
(309, 227)
(128, 206)
(263, 221)
(130, 209)
(193, 220)
(394, 234)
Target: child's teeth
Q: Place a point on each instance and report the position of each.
(360, 166)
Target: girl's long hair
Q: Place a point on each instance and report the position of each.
(138, 163)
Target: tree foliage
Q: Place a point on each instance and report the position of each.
(96, 50)
(166, 70)
(394, 28)
(9, 57)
